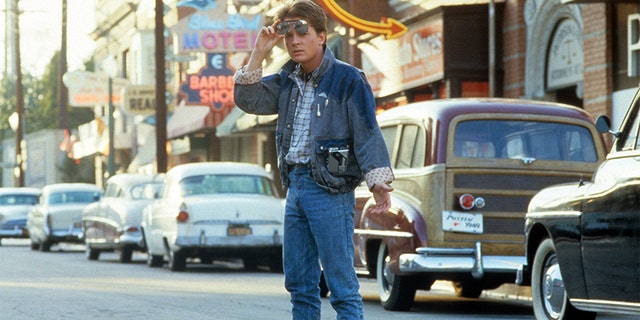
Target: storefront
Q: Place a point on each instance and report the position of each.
(440, 56)
(584, 53)
(555, 54)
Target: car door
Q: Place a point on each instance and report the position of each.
(611, 220)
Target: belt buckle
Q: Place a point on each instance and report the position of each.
(299, 166)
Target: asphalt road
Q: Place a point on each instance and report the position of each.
(62, 284)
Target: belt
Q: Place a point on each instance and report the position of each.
(298, 166)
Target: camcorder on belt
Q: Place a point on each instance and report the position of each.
(337, 160)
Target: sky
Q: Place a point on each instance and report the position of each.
(40, 33)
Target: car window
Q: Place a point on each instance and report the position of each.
(18, 199)
(111, 190)
(389, 135)
(410, 154)
(216, 184)
(515, 139)
(73, 197)
(630, 141)
(146, 190)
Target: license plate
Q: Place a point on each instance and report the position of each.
(238, 230)
(457, 221)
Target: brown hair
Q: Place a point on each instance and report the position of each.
(307, 10)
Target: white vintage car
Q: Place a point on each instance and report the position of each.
(215, 210)
(58, 214)
(15, 204)
(113, 223)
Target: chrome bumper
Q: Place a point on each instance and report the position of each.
(14, 228)
(14, 232)
(254, 240)
(130, 238)
(458, 260)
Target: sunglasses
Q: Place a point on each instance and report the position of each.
(300, 26)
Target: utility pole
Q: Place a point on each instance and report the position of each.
(63, 92)
(161, 88)
(7, 25)
(492, 49)
(19, 170)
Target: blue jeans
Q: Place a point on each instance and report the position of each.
(318, 229)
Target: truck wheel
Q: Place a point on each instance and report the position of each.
(275, 263)
(549, 297)
(124, 254)
(91, 254)
(45, 245)
(396, 292)
(154, 261)
(177, 260)
(250, 263)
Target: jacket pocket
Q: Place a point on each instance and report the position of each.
(334, 165)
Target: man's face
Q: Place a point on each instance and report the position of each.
(304, 44)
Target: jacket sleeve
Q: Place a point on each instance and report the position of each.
(368, 144)
(260, 97)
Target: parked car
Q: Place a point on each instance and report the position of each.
(15, 204)
(583, 239)
(58, 215)
(465, 171)
(214, 210)
(113, 223)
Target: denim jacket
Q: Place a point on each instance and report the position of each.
(343, 117)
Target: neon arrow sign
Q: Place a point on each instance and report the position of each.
(389, 27)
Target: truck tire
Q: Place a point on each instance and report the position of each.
(396, 292)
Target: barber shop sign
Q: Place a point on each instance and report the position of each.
(212, 86)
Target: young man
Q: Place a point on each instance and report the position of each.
(328, 141)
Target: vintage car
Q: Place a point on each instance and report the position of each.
(113, 223)
(465, 171)
(15, 204)
(583, 239)
(58, 215)
(215, 210)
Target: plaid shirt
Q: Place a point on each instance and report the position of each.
(299, 149)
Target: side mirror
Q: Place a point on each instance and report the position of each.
(603, 124)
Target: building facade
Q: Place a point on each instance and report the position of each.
(580, 52)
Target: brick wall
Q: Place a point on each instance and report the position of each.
(515, 44)
(598, 65)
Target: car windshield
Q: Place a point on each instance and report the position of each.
(225, 183)
(18, 199)
(73, 197)
(146, 191)
(515, 139)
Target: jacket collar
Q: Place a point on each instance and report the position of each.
(328, 59)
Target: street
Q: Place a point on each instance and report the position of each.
(62, 284)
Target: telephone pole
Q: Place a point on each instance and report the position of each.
(19, 169)
(63, 92)
(161, 88)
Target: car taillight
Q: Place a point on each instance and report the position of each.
(182, 216)
(468, 202)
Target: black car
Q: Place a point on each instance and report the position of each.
(583, 238)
